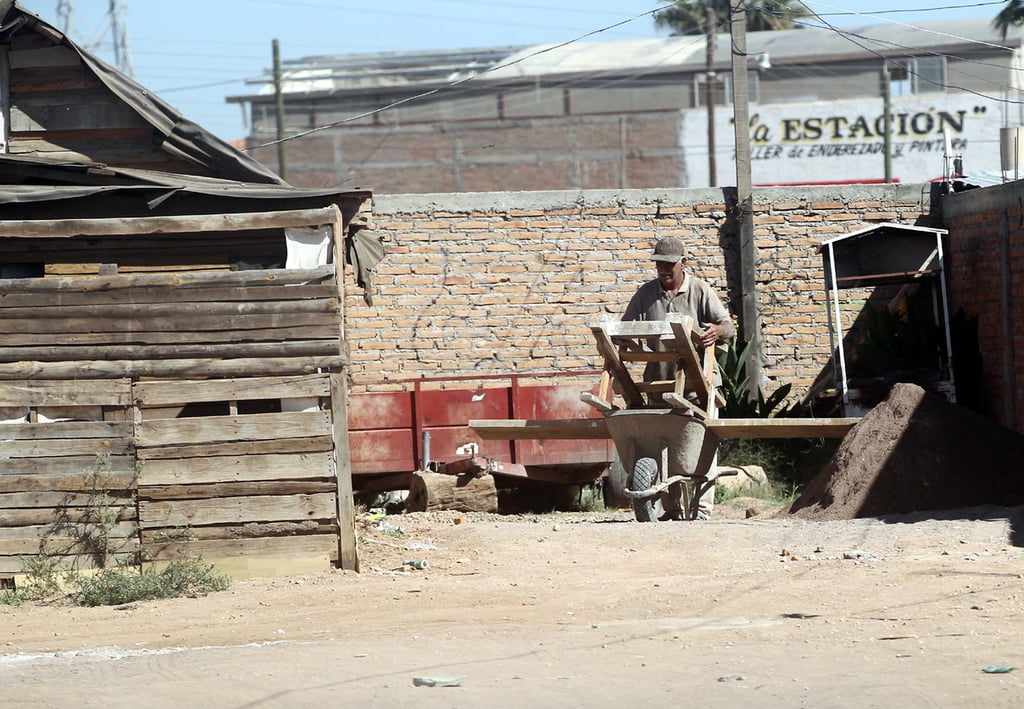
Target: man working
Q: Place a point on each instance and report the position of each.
(676, 291)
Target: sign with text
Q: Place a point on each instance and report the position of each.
(839, 142)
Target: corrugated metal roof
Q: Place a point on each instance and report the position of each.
(348, 72)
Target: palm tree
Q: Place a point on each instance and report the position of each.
(688, 16)
(1012, 15)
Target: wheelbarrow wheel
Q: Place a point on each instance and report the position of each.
(645, 471)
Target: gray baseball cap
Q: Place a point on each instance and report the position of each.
(669, 249)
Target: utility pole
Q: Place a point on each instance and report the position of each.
(887, 120)
(750, 323)
(711, 88)
(282, 168)
(119, 38)
(64, 14)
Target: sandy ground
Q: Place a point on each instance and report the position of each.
(569, 610)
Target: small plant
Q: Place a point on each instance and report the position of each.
(42, 581)
(740, 400)
(123, 584)
(94, 535)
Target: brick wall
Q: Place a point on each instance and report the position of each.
(986, 266)
(491, 283)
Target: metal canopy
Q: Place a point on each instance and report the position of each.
(883, 254)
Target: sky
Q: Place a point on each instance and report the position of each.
(195, 53)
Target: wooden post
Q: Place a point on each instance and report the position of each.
(348, 557)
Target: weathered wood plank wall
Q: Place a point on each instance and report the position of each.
(241, 464)
(58, 476)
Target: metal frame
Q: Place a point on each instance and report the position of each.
(933, 267)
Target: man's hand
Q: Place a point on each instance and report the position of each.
(712, 334)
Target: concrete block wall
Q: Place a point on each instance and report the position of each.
(507, 282)
(986, 257)
(586, 152)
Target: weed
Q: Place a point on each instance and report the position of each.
(124, 584)
(95, 534)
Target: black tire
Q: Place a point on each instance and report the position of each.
(614, 484)
(645, 471)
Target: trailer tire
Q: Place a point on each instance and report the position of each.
(615, 481)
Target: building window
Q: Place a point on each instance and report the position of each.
(916, 75)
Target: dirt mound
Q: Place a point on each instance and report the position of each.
(916, 452)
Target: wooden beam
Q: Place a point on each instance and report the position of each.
(612, 363)
(560, 429)
(534, 429)
(69, 228)
(782, 427)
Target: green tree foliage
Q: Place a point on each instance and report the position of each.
(689, 17)
(1012, 15)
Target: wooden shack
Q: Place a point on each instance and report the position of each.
(173, 358)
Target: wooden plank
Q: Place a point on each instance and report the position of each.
(240, 531)
(235, 510)
(68, 228)
(147, 296)
(20, 517)
(52, 545)
(612, 363)
(234, 489)
(59, 500)
(782, 427)
(597, 402)
(182, 321)
(148, 393)
(111, 392)
(74, 482)
(58, 447)
(633, 329)
(16, 565)
(65, 465)
(66, 430)
(237, 468)
(68, 532)
(283, 548)
(94, 369)
(170, 307)
(554, 429)
(182, 454)
(689, 360)
(348, 557)
(681, 402)
(179, 281)
(172, 351)
(225, 429)
(324, 331)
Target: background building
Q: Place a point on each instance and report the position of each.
(634, 113)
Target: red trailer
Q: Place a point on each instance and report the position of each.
(393, 434)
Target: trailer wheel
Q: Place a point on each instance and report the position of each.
(645, 471)
(614, 484)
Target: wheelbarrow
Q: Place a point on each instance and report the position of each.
(668, 456)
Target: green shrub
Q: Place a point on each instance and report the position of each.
(118, 585)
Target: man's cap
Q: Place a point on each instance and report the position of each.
(669, 249)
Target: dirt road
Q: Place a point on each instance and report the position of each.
(568, 610)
